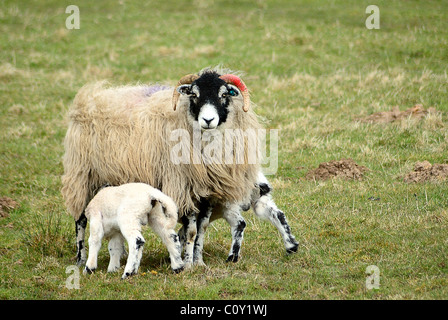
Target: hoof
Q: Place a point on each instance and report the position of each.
(127, 275)
(114, 269)
(87, 270)
(199, 263)
(232, 258)
(293, 249)
(178, 270)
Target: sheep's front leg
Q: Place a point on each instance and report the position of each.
(188, 236)
(81, 254)
(265, 208)
(232, 214)
(203, 221)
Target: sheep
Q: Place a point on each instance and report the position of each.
(118, 213)
(121, 135)
(124, 134)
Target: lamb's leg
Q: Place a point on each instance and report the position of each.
(170, 239)
(116, 251)
(265, 208)
(232, 214)
(95, 238)
(189, 237)
(131, 231)
(136, 243)
(81, 254)
(203, 221)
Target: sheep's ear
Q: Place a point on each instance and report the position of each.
(184, 89)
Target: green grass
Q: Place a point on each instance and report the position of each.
(312, 67)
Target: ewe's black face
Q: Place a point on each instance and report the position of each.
(209, 97)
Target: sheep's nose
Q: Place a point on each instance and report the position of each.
(208, 121)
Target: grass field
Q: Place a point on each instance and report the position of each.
(313, 67)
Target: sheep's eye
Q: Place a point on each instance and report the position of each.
(193, 94)
(225, 95)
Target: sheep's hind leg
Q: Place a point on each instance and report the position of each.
(232, 214)
(265, 208)
(188, 238)
(81, 255)
(203, 220)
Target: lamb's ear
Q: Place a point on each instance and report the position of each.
(184, 89)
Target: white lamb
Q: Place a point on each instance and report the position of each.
(119, 212)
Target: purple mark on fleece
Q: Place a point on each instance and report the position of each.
(149, 91)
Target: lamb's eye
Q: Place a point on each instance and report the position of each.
(225, 95)
(193, 95)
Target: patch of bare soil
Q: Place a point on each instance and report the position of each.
(424, 171)
(345, 168)
(6, 204)
(416, 112)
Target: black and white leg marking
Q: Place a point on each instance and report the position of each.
(136, 242)
(232, 214)
(159, 222)
(265, 208)
(182, 234)
(81, 225)
(81, 255)
(188, 237)
(175, 250)
(131, 231)
(203, 220)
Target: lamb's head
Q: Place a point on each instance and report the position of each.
(210, 96)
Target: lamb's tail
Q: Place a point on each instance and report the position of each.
(168, 206)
